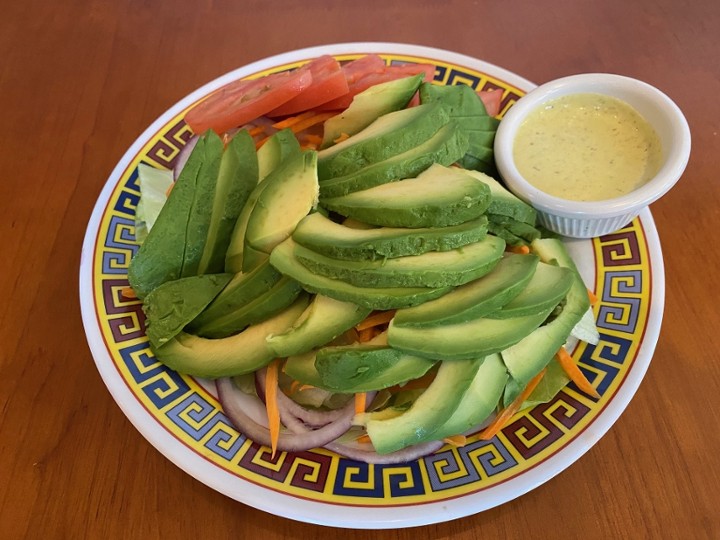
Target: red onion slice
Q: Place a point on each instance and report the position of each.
(235, 403)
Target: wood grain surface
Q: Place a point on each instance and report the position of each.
(81, 79)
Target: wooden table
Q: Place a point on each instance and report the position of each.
(80, 80)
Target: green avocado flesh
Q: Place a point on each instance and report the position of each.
(171, 306)
(389, 135)
(237, 177)
(445, 148)
(280, 296)
(480, 400)
(369, 105)
(471, 339)
(382, 298)
(545, 290)
(365, 368)
(286, 199)
(529, 356)
(320, 234)
(475, 299)
(503, 202)
(428, 413)
(175, 244)
(242, 353)
(323, 320)
(438, 197)
(278, 147)
(431, 269)
(240, 291)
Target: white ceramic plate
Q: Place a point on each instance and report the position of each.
(181, 417)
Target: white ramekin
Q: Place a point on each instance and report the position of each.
(588, 219)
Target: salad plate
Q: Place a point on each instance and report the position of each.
(181, 416)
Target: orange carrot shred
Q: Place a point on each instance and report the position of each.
(592, 297)
(129, 293)
(257, 130)
(456, 440)
(169, 189)
(360, 402)
(522, 250)
(575, 374)
(364, 438)
(375, 319)
(341, 138)
(292, 120)
(313, 139)
(366, 335)
(310, 121)
(271, 405)
(259, 144)
(511, 409)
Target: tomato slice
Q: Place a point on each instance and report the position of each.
(356, 69)
(390, 73)
(240, 102)
(328, 82)
(491, 99)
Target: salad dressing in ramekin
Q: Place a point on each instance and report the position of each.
(586, 147)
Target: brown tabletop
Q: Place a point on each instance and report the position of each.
(80, 80)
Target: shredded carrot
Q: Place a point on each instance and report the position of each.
(313, 139)
(375, 319)
(259, 144)
(364, 438)
(352, 336)
(341, 138)
(292, 120)
(128, 292)
(310, 121)
(367, 334)
(360, 402)
(522, 250)
(169, 189)
(575, 374)
(511, 409)
(271, 405)
(592, 297)
(257, 130)
(456, 440)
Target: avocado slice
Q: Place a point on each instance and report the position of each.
(365, 368)
(198, 224)
(286, 199)
(440, 196)
(273, 301)
(475, 299)
(284, 260)
(280, 146)
(431, 269)
(545, 290)
(480, 399)
(171, 306)
(163, 253)
(428, 413)
(234, 254)
(323, 320)
(320, 234)
(391, 134)
(518, 229)
(471, 339)
(242, 353)
(530, 355)
(237, 177)
(445, 148)
(242, 289)
(466, 107)
(503, 202)
(369, 105)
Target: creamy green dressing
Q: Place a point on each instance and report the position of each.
(587, 147)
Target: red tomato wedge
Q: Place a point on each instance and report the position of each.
(491, 99)
(240, 102)
(390, 73)
(356, 69)
(328, 82)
